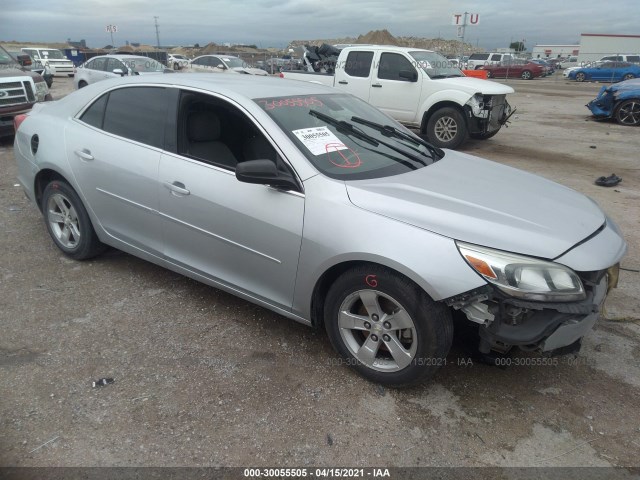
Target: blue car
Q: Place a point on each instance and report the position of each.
(620, 101)
(607, 72)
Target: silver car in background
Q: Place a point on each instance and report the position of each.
(223, 64)
(317, 206)
(115, 66)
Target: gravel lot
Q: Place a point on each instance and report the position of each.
(205, 379)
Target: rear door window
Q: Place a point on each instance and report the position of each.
(358, 64)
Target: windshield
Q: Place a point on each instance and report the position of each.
(6, 59)
(52, 54)
(234, 62)
(352, 150)
(143, 64)
(435, 65)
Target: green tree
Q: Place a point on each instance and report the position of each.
(517, 46)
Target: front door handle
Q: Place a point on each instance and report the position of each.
(177, 187)
(343, 82)
(84, 154)
(377, 85)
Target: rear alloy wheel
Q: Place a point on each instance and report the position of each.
(526, 75)
(580, 77)
(68, 222)
(628, 76)
(628, 112)
(386, 327)
(446, 128)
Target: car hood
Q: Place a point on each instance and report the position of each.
(478, 201)
(249, 70)
(474, 85)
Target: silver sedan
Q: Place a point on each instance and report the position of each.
(317, 206)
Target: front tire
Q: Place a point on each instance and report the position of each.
(176, 66)
(386, 327)
(580, 77)
(628, 76)
(628, 113)
(82, 84)
(446, 128)
(68, 222)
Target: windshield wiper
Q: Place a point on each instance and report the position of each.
(391, 131)
(349, 128)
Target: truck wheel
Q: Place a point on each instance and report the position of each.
(386, 327)
(446, 128)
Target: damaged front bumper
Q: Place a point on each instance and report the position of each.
(548, 328)
(487, 113)
(602, 105)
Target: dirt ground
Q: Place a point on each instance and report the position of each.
(205, 379)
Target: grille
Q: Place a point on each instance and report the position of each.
(16, 93)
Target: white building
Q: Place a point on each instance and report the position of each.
(554, 51)
(594, 46)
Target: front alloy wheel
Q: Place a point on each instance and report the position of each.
(628, 112)
(580, 77)
(526, 75)
(446, 128)
(386, 327)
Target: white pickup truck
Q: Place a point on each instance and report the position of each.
(419, 88)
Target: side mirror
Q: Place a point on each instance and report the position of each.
(221, 66)
(410, 75)
(118, 71)
(264, 172)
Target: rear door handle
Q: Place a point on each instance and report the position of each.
(84, 154)
(177, 187)
(377, 85)
(343, 82)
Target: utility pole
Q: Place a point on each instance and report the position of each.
(157, 33)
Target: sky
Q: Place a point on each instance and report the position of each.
(274, 23)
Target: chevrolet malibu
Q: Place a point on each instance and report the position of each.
(321, 208)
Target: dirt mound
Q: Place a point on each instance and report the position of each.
(378, 37)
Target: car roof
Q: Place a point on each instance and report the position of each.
(388, 48)
(121, 57)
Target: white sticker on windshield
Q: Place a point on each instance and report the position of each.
(319, 140)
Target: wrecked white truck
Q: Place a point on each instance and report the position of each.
(419, 88)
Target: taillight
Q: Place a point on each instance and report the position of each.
(18, 119)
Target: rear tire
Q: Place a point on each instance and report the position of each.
(489, 74)
(446, 128)
(629, 76)
(386, 327)
(68, 222)
(526, 75)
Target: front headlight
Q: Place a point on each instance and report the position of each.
(524, 277)
(41, 91)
